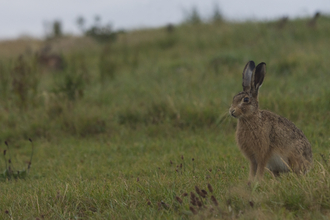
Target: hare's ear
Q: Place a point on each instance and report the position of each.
(258, 78)
(247, 74)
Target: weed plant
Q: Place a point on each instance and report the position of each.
(72, 81)
(10, 172)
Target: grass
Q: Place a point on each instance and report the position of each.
(128, 130)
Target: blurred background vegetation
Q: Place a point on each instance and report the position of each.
(181, 77)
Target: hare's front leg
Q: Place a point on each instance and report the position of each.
(253, 169)
(262, 157)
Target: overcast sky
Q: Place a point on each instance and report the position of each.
(26, 17)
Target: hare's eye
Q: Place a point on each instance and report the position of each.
(246, 99)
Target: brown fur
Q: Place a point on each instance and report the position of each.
(266, 139)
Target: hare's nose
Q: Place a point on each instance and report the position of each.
(232, 111)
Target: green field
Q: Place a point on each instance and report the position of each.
(129, 127)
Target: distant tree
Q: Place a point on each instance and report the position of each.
(53, 29)
(282, 22)
(312, 22)
(97, 21)
(81, 23)
(170, 28)
(217, 16)
(101, 33)
(57, 29)
(193, 17)
(98, 31)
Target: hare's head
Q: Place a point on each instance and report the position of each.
(245, 103)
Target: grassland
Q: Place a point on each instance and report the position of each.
(127, 128)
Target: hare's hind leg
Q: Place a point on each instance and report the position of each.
(260, 170)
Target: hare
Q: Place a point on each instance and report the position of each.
(266, 139)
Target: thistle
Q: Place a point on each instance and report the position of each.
(193, 210)
(210, 188)
(214, 200)
(178, 199)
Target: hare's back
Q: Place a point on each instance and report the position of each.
(285, 134)
(280, 127)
